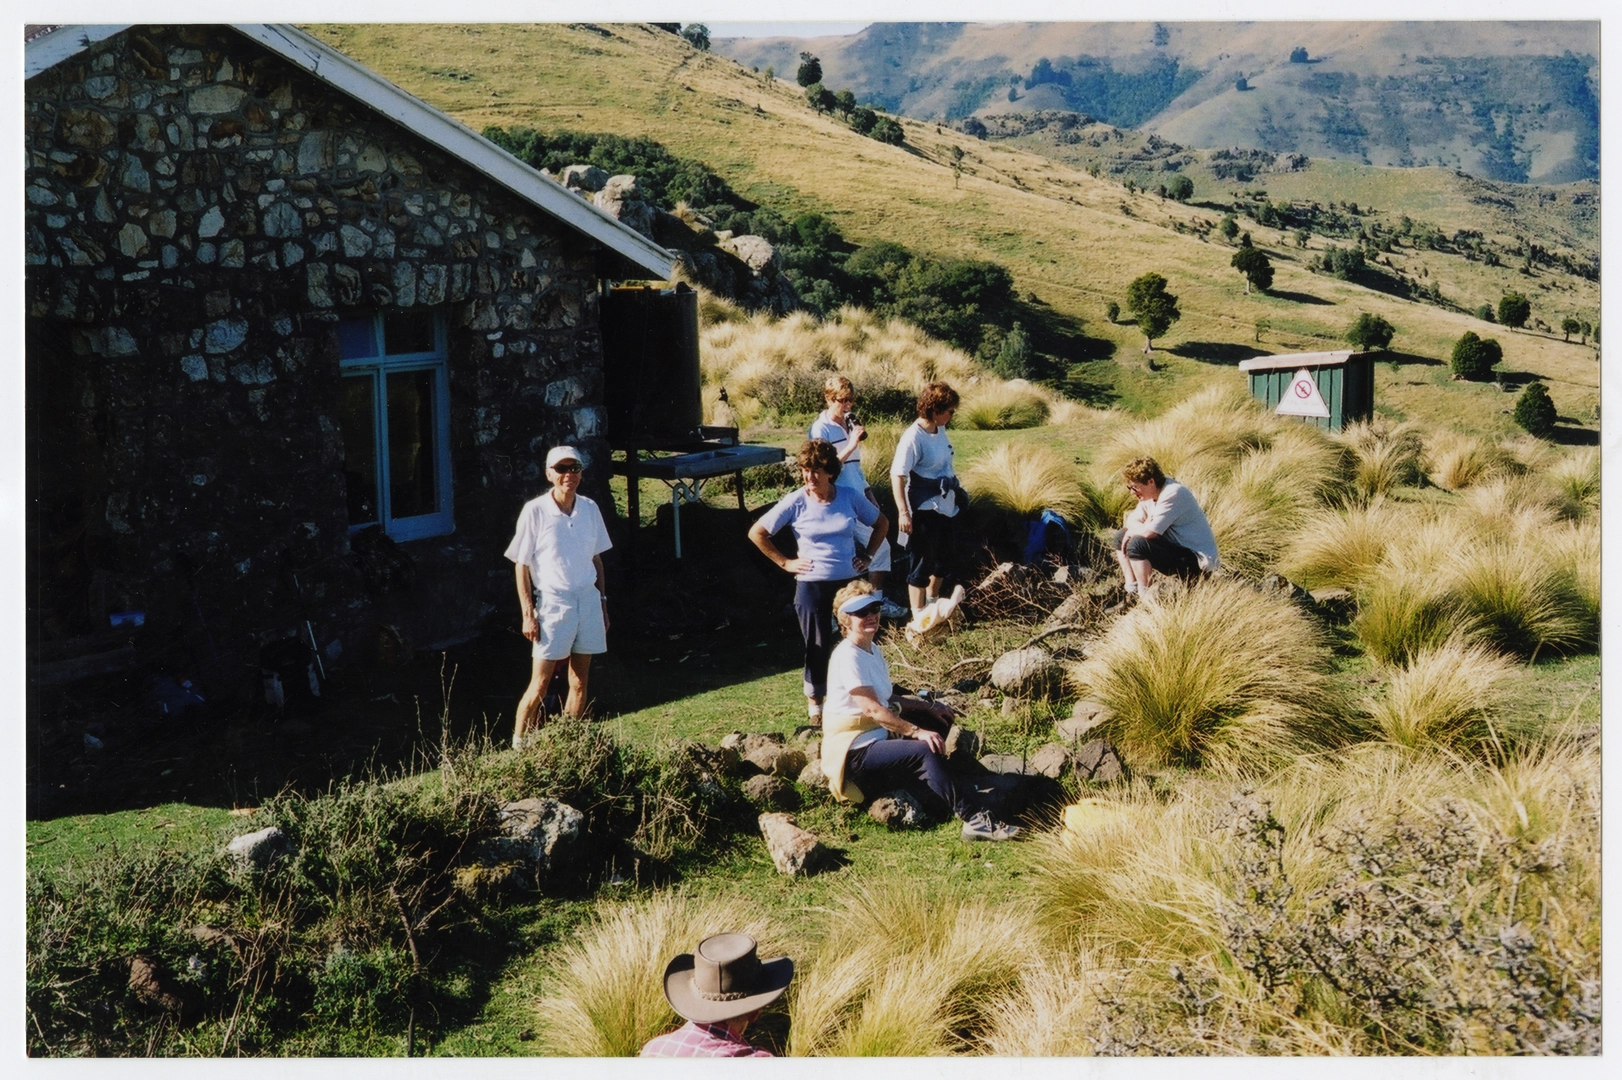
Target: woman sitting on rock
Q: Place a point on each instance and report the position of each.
(876, 741)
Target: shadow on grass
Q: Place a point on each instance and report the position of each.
(1216, 352)
(1573, 436)
(1391, 357)
(1300, 297)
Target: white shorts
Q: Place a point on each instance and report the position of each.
(570, 622)
(881, 561)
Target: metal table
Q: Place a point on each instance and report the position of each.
(685, 474)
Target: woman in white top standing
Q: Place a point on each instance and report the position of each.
(928, 496)
(837, 425)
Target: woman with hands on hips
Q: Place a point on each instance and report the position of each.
(824, 517)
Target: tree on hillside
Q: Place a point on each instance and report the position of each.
(1255, 265)
(956, 154)
(1370, 332)
(1513, 310)
(810, 70)
(1534, 410)
(862, 119)
(697, 35)
(1298, 55)
(845, 101)
(1152, 306)
(1484, 313)
(886, 130)
(1241, 84)
(1570, 325)
(819, 97)
(1474, 357)
(1013, 360)
(1585, 329)
(1229, 227)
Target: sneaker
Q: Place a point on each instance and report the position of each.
(983, 826)
(813, 712)
(892, 610)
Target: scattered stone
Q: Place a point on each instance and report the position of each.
(540, 832)
(1007, 764)
(1070, 609)
(1279, 585)
(480, 881)
(772, 792)
(813, 777)
(721, 760)
(764, 757)
(1100, 762)
(733, 742)
(1335, 604)
(622, 198)
(152, 986)
(756, 252)
(790, 763)
(1006, 576)
(897, 810)
(794, 851)
(1051, 760)
(1074, 575)
(588, 178)
(962, 746)
(259, 849)
(1027, 673)
(768, 738)
(1084, 716)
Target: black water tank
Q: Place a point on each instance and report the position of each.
(650, 366)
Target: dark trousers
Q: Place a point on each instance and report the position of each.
(930, 547)
(814, 607)
(909, 764)
(1160, 553)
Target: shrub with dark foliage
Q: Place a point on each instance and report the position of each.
(1370, 332)
(1534, 410)
(1474, 357)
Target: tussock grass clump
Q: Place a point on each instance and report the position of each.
(1002, 406)
(1507, 508)
(1342, 547)
(1403, 612)
(1445, 697)
(1057, 1007)
(605, 997)
(1258, 504)
(1387, 456)
(1454, 461)
(1519, 599)
(1217, 674)
(1577, 476)
(1217, 425)
(1575, 548)
(1023, 479)
(907, 973)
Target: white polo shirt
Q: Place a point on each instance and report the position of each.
(558, 547)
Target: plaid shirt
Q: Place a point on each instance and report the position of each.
(693, 1039)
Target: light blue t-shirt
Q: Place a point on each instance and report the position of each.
(825, 532)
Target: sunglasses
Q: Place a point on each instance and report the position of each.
(566, 468)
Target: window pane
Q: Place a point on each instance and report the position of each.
(408, 332)
(357, 421)
(357, 338)
(412, 476)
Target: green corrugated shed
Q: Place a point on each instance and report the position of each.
(1345, 379)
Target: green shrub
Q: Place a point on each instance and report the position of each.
(1534, 410)
(1474, 357)
(1513, 310)
(1370, 332)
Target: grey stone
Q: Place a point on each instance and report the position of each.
(1070, 609)
(794, 851)
(211, 223)
(764, 757)
(1007, 764)
(538, 832)
(1051, 760)
(282, 220)
(621, 198)
(1100, 762)
(1027, 673)
(897, 810)
(764, 738)
(813, 777)
(755, 252)
(962, 746)
(583, 178)
(1006, 576)
(790, 762)
(216, 98)
(1074, 575)
(132, 240)
(259, 849)
(772, 792)
(733, 741)
(1084, 717)
(224, 335)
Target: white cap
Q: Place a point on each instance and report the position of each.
(563, 453)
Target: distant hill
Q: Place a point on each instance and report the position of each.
(1507, 101)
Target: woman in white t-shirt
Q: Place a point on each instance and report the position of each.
(928, 496)
(837, 425)
(874, 740)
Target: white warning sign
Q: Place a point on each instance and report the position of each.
(1301, 398)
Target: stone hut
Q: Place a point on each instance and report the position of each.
(297, 343)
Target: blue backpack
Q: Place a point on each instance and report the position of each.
(1047, 535)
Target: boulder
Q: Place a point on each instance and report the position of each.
(734, 742)
(1051, 760)
(756, 252)
(764, 757)
(1027, 673)
(535, 832)
(480, 881)
(153, 987)
(720, 760)
(587, 178)
(259, 849)
(1100, 763)
(772, 792)
(793, 850)
(1006, 576)
(1069, 611)
(897, 810)
(622, 199)
(962, 747)
(1084, 716)
(1007, 764)
(790, 762)
(765, 738)
(813, 777)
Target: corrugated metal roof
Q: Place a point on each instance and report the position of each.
(1296, 360)
(417, 116)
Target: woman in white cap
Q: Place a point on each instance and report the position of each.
(557, 556)
(874, 740)
(719, 989)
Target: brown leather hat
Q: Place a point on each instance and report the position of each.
(724, 978)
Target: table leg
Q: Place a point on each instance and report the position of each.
(739, 475)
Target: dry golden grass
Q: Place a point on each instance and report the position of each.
(1024, 478)
(1218, 674)
(991, 406)
(1446, 698)
(604, 996)
(1455, 461)
(1577, 476)
(1387, 455)
(1345, 546)
(1518, 599)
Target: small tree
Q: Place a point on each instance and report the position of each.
(1255, 265)
(1484, 313)
(769, 74)
(819, 97)
(1570, 325)
(1301, 237)
(1180, 187)
(1112, 311)
(886, 130)
(1474, 357)
(1152, 306)
(1263, 324)
(1586, 330)
(845, 102)
(1513, 310)
(862, 119)
(697, 35)
(956, 154)
(1534, 410)
(1241, 84)
(1014, 357)
(1370, 332)
(1229, 227)
(1298, 55)
(810, 70)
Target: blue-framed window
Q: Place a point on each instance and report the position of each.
(394, 412)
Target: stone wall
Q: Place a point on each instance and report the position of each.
(199, 215)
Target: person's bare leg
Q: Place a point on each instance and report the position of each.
(1142, 572)
(937, 585)
(579, 675)
(1126, 567)
(529, 706)
(915, 593)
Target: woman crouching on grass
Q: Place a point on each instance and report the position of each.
(875, 739)
(824, 517)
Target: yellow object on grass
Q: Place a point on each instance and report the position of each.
(1089, 814)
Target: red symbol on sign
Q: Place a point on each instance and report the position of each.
(1302, 398)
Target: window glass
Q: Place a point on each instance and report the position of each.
(408, 332)
(412, 454)
(357, 338)
(355, 411)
